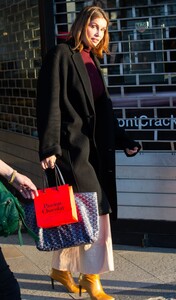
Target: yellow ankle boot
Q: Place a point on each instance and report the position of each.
(92, 284)
(66, 279)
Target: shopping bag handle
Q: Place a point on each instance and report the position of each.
(58, 176)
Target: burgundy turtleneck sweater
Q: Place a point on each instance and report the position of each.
(95, 78)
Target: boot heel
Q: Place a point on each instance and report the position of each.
(80, 290)
(52, 283)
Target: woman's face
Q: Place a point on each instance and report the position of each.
(95, 31)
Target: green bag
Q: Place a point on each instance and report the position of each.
(12, 215)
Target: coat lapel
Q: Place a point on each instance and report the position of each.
(84, 77)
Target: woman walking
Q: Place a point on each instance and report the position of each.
(77, 131)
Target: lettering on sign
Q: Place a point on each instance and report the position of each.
(144, 122)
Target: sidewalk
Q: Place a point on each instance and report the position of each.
(140, 273)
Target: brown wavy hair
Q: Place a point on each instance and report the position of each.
(79, 29)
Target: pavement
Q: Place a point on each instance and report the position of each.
(140, 273)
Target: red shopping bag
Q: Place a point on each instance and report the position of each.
(55, 206)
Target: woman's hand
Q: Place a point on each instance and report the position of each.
(25, 186)
(131, 151)
(21, 182)
(48, 162)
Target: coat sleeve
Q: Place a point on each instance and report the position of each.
(123, 141)
(48, 106)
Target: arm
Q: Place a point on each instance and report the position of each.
(21, 182)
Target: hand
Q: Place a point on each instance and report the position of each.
(48, 162)
(25, 186)
(131, 151)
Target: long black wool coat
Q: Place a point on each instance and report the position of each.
(78, 131)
